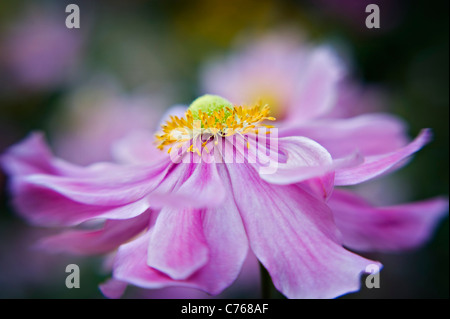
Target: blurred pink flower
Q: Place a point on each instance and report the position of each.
(96, 115)
(300, 82)
(190, 224)
(39, 52)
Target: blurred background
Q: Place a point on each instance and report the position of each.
(131, 60)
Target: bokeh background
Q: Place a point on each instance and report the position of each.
(145, 56)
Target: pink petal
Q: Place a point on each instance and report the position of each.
(370, 134)
(193, 185)
(130, 265)
(291, 160)
(113, 289)
(227, 241)
(294, 236)
(113, 234)
(109, 186)
(30, 156)
(300, 159)
(105, 190)
(289, 164)
(376, 165)
(317, 91)
(45, 207)
(177, 245)
(137, 148)
(368, 228)
(225, 236)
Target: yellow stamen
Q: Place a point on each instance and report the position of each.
(219, 123)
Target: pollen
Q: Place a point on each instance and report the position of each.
(209, 118)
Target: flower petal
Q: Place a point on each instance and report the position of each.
(109, 185)
(137, 148)
(294, 236)
(376, 165)
(227, 241)
(369, 134)
(225, 236)
(32, 156)
(393, 228)
(297, 160)
(130, 265)
(289, 160)
(317, 91)
(177, 245)
(113, 289)
(44, 207)
(22, 156)
(43, 189)
(112, 235)
(194, 185)
(300, 159)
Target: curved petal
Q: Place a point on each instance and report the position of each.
(194, 185)
(137, 148)
(45, 207)
(110, 185)
(177, 245)
(113, 289)
(191, 184)
(53, 200)
(112, 235)
(294, 236)
(31, 159)
(225, 236)
(317, 90)
(369, 134)
(288, 160)
(393, 228)
(300, 159)
(376, 165)
(60, 194)
(32, 156)
(227, 241)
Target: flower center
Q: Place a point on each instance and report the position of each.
(211, 117)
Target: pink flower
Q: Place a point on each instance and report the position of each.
(92, 119)
(188, 218)
(39, 52)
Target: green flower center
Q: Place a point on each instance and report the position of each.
(210, 104)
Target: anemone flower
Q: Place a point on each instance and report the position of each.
(187, 215)
(91, 120)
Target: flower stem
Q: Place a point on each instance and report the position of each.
(266, 283)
